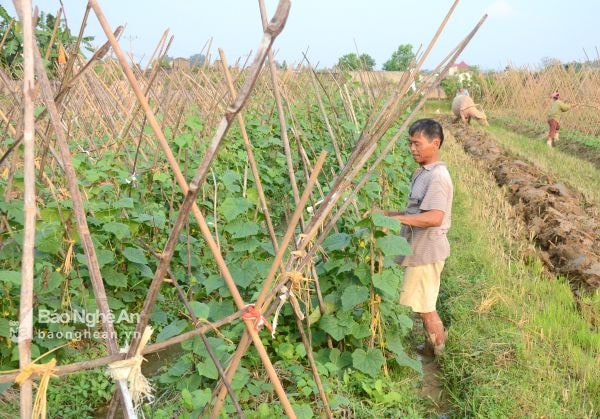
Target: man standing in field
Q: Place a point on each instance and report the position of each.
(556, 109)
(425, 224)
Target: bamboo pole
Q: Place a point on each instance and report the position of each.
(270, 33)
(336, 147)
(250, 154)
(256, 176)
(78, 209)
(244, 342)
(9, 377)
(29, 206)
(357, 159)
(449, 61)
(209, 348)
(280, 112)
(54, 31)
(58, 99)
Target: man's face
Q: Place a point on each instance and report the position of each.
(423, 151)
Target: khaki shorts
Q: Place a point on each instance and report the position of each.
(421, 287)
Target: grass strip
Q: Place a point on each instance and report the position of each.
(518, 345)
(581, 175)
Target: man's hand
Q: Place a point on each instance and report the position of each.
(374, 210)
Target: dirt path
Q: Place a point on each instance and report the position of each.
(562, 224)
(432, 386)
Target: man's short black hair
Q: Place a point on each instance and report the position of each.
(429, 128)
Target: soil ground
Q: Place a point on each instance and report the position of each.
(564, 226)
(572, 147)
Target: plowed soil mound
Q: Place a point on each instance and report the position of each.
(568, 236)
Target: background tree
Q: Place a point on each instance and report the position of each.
(400, 59)
(11, 54)
(353, 62)
(548, 62)
(197, 59)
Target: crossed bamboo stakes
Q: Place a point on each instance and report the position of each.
(299, 262)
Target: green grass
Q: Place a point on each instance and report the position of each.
(540, 129)
(518, 347)
(578, 173)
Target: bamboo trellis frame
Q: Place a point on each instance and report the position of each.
(524, 95)
(174, 92)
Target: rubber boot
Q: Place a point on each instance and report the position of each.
(438, 349)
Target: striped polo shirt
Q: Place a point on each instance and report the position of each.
(431, 189)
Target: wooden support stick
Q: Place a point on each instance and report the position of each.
(9, 377)
(270, 33)
(29, 207)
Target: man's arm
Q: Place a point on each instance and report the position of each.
(425, 219)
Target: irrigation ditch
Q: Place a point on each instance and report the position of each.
(562, 224)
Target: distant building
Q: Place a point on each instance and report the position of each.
(181, 64)
(458, 68)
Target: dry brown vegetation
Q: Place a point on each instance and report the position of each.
(524, 94)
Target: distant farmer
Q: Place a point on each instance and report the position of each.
(425, 224)
(556, 109)
(464, 108)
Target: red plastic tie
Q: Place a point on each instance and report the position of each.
(253, 313)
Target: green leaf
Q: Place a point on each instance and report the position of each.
(286, 350)
(363, 273)
(135, 254)
(201, 310)
(12, 277)
(52, 282)
(50, 238)
(242, 274)
(405, 322)
(387, 281)
(213, 282)
(361, 330)
(314, 316)
(248, 245)
(231, 180)
(232, 207)
(336, 241)
(161, 177)
(302, 411)
(383, 221)
(124, 203)
(353, 296)
(186, 398)
(4, 327)
(240, 229)
(394, 344)
(51, 214)
(332, 327)
(114, 278)
(393, 245)
(104, 256)
(171, 330)
(406, 361)
(183, 140)
(369, 362)
(194, 123)
(207, 369)
(120, 230)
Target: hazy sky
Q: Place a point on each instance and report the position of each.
(517, 32)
